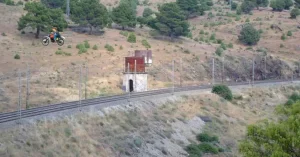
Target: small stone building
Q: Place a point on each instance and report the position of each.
(135, 78)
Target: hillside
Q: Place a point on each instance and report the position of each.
(153, 127)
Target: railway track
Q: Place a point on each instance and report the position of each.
(12, 116)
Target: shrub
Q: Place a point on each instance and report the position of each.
(223, 46)
(86, 44)
(289, 102)
(9, 2)
(208, 148)
(219, 51)
(194, 150)
(17, 56)
(294, 13)
(219, 41)
(23, 32)
(283, 37)
(124, 33)
(69, 46)
(147, 12)
(205, 137)
(247, 20)
(295, 97)
(249, 35)
(234, 5)
(223, 91)
(239, 10)
(20, 3)
(146, 44)
(131, 38)
(247, 7)
(138, 142)
(190, 35)
(289, 33)
(281, 45)
(260, 31)
(279, 5)
(82, 48)
(59, 52)
(121, 47)
(3, 34)
(68, 132)
(95, 47)
(230, 45)
(201, 32)
(212, 37)
(109, 48)
(238, 18)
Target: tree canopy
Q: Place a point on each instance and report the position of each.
(41, 18)
(125, 14)
(247, 6)
(190, 7)
(274, 139)
(54, 3)
(90, 13)
(171, 21)
(279, 5)
(249, 35)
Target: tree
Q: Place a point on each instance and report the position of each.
(54, 3)
(279, 5)
(294, 13)
(90, 13)
(124, 15)
(171, 21)
(147, 12)
(247, 6)
(189, 7)
(274, 139)
(249, 35)
(41, 18)
(259, 3)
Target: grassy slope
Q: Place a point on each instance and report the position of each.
(162, 129)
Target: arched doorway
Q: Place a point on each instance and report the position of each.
(130, 85)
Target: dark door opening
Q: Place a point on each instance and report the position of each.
(130, 85)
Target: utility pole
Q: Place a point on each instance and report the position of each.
(134, 76)
(20, 105)
(68, 8)
(173, 64)
(223, 69)
(27, 87)
(213, 71)
(253, 71)
(85, 81)
(79, 86)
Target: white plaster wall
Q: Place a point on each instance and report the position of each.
(140, 82)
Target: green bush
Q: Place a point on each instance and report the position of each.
(234, 5)
(223, 91)
(239, 10)
(219, 41)
(20, 3)
(86, 44)
(249, 35)
(294, 13)
(68, 132)
(124, 33)
(121, 47)
(69, 46)
(201, 32)
(205, 137)
(219, 51)
(283, 37)
(289, 102)
(247, 6)
(295, 97)
(146, 44)
(59, 52)
(223, 46)
(194, 150)
(212, 36)
(147, 12)
(109, 48)
(247, 20)
(82, 48)
(281, 46)
(3, 34)
(208, 148)
(289, 33)
(9, 2)
(95, 47)
(279, 5)
(131, 38)
(17, 56)
(230, 45)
